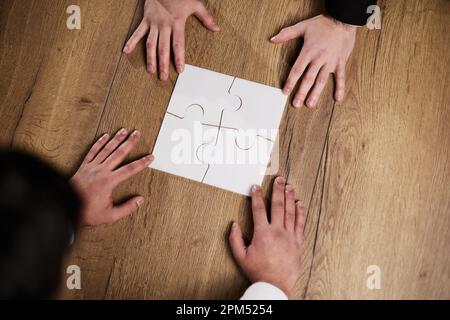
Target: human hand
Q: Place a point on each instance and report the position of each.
(100, 173)
(163, 20)
(327, 46)
(274, 253)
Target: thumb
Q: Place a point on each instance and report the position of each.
(128, 207)
(237, 243)
(289, 33)
(206, 18)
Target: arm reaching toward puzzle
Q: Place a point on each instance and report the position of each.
(100, 173)
(165, 20)
(272, 260)
(328, 43)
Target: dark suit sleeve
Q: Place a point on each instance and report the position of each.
(349, 11)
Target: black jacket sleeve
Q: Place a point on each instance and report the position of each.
(349, 11)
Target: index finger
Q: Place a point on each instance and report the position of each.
(340, 81)
(258, 207)
(296, 72)
(123, 150)
(129, 170)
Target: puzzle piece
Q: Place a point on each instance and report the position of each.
(261, 111)
(178, 140)
(207, 89)
(231, 167)
(247, 139)
(219, 130)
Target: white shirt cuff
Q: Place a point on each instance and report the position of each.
(264, 291)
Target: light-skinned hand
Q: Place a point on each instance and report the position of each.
(164, 21)
(327, 46)
(100, 173)
(273, 255)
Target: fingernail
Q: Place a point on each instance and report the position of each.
(122, 132)
(296, 103)
(163, 76)
(148, 158)
(234, 226)
(289, 188)
(287, 90)
(104, 136)
(256, 188)
(300, 203)
(135, 133)
(125, 50)
(311, 103)
(280, 180)
(180, 68)
(139, 202)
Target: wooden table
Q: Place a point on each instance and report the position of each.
(374, 172)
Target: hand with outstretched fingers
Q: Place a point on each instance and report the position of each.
(100, 173)
(164, 24)
(327, 46)
(273, 255)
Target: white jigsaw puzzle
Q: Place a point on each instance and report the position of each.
(219, 130)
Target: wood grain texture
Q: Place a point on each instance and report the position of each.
(385, 199)
(373, 172)
(55, 81)
(26, 29)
